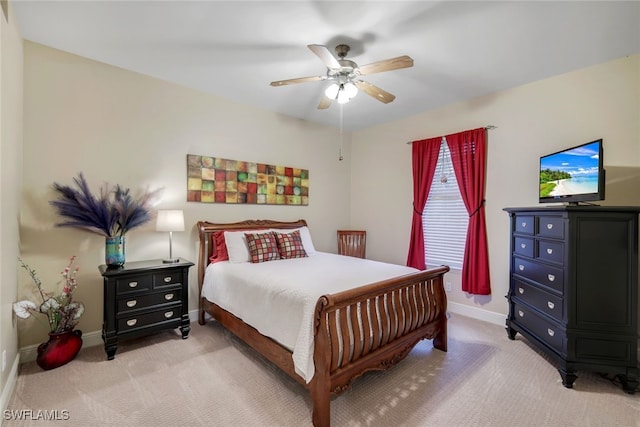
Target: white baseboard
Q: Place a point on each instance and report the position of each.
(10, 385)
(477, 313)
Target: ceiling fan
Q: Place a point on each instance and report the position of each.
(345, 75)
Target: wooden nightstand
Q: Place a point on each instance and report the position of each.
(144, 297)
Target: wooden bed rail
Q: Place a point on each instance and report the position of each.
(373, 328)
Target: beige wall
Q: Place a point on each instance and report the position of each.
(532, 120)
(10, 181)
(121, 127)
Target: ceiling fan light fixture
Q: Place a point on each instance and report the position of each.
(342, 97)
(332, 91)
(350, 90)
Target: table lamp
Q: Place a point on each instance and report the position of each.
(170, 220)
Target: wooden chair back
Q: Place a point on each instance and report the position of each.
(352, 243)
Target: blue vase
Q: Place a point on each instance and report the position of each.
(114, 251)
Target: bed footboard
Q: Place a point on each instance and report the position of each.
(373, 328)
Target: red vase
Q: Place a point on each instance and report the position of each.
(61, 348)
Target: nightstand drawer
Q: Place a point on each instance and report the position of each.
(167, 278)
(137, 283)
(131, 323)
(137, 302)
(543, 301)
(545, 330)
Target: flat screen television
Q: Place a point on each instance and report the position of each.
(573, 175)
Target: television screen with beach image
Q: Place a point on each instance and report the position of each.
(571, 172)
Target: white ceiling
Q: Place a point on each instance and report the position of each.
(234, 49)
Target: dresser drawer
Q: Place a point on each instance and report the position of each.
(523, 246)
(543, 329)
(132, 322)
(551, 251)
(167, 278)
(545, 302)
(524, 224)
(137, 302)
(551, 226)
(133, 283)
(546, 275)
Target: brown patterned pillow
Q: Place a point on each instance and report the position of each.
(290, 245)
(262, 247)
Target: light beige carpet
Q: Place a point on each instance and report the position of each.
(212, 379)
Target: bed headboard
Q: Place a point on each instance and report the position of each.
(206, 249)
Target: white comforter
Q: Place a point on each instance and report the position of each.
(278, 298)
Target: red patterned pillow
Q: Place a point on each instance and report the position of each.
(219, 246)
(290, 245)
(262, 247)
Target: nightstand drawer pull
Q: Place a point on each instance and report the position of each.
(549, 251)
(520, 313)
(520, 291)
(551, 332)
(133, 284)
(167, 279)
(523, 245)
(132, 303)
(549, 226)
(523, 224)
(169, 297)
(550, 305)
(132, 322)
(168, 314)
(551, 277)
(521, 267)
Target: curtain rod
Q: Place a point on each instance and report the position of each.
(488, 127)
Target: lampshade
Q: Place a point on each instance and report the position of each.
(170, 220)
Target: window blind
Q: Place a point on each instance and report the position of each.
(444, 217)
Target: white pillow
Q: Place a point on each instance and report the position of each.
(305, 236)
(237, 244)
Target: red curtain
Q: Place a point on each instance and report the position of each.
(468, 156)
(424, 155)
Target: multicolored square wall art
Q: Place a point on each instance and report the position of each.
(216, 180)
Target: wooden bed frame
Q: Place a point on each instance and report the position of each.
(397, 313)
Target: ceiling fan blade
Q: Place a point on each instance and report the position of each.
(298, 80)
(386, 65)
(325, 56)
(374, 91)
(324, 103)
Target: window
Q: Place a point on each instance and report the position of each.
(444, 217)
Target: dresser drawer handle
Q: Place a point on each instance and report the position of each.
(168, 314)
(523, 245)
(550, 305)
(549, 251)
(521, 267)
(549, 226)
(133, 284)
(131, 303)
(524, 224)
(551, 332)
(551, 277)
(167, 279)
(168, 297)
(132, 322)
(520, 313)
(520, 291)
